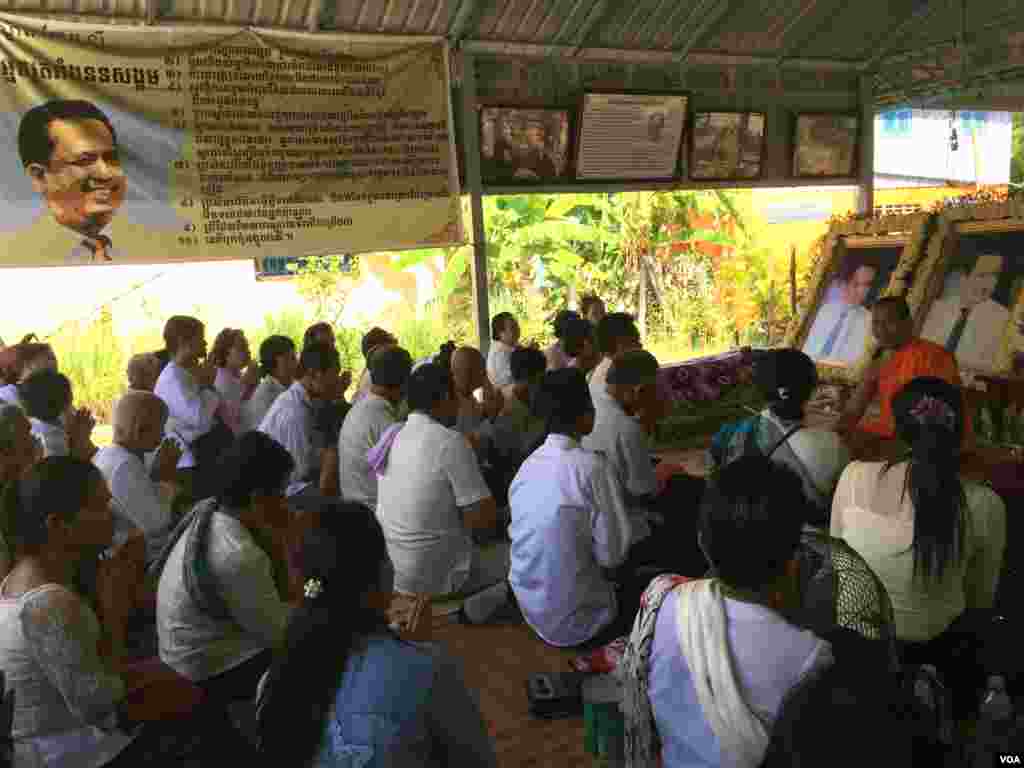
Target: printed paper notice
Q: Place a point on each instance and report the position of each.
(630, 136)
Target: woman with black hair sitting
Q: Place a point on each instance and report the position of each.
(709, 660)
(220, 602)
(345, 690)
(76, 701)
(935, 541)
(787, 378)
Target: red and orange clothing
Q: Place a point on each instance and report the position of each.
(914, 359)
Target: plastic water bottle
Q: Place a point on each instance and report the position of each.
(995, 721)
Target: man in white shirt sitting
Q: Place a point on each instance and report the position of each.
(278, 364)
(616, 333)
(569, 522)
(618, 434)
(431, 498)
(389, 367)
(61, 430)
(517, 431)
(141, 500)
(291, 421)
(186, 387)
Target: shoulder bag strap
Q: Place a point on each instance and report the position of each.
(785, 437)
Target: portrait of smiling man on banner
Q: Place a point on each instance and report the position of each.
(69, 150)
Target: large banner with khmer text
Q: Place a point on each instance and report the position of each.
(142, 144)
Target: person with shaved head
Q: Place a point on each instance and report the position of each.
(469, 373)
(143, 371)
(663, 506)
(138, 501)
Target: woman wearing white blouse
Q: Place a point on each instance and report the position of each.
(935, 541)
(232, 356)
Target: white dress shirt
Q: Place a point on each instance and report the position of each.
(198, 646)
(138, 503)
(361, 430)
(80, 254)
(983, 334)
(255, 409)
(9, 394)
(190, 410)
(599, 380)
(850, 341)
(624, 443)
(52, 436)
(569, 520)
(430, 475)
(499, 363)
(363, 388)
(291, 422)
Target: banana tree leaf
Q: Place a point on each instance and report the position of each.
(453, 273)
(562, 204)
(712, 236)
(407, 259)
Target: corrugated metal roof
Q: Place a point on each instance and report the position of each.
(806, 32)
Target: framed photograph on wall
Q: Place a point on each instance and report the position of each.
(630, 136)
(521, 145)
(726, 145)
(859, 262)
(826, 145)
(971, 289)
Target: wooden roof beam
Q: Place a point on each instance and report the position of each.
(519, 50)
(465, 18)
(924, 10)
(705, 21)
(826, 14)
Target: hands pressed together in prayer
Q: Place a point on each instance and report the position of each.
(120, 580)
(78, 424)
(165, 465)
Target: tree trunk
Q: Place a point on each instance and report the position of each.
(650, 263)
(770, 313)
(792, 278)
(642, 303)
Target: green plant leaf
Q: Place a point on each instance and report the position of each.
(453, 272)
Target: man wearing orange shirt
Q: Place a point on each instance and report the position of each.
(909, 357)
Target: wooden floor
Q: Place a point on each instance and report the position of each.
(496, 662)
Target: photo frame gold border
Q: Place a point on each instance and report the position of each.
(912, 230)
(980, 218)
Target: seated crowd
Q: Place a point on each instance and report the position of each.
(254, 525)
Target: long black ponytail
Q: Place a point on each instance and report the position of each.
(341, 562)
(929, 417)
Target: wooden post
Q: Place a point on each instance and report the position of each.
(474, 183)
(866, 166)
(792, 278)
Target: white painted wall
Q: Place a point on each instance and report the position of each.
(922, 150)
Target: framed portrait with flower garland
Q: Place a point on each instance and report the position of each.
(970, 286)
(860, 261)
